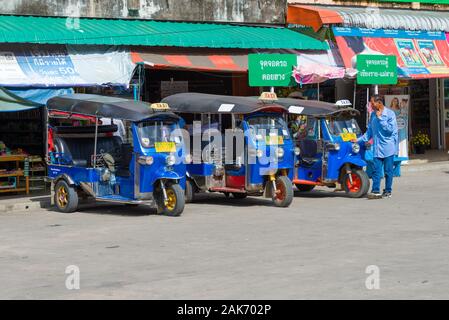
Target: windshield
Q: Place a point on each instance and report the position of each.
(337, 126)
(303, 127)
(265, 126)
(151, 132)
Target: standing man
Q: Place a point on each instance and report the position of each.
(383, 129)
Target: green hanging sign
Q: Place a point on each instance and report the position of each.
(376, 69)
(270, 70)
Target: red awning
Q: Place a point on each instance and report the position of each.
(311, 16)
(192, 59)
(324, 63)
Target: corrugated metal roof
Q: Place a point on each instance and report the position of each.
(85, 31)
(376, 18)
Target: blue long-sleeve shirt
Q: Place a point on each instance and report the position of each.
(384, 132)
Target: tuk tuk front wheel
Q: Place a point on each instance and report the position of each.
(359, 185)
(284, 192)
(304, 187)
(174, 205)
(66, 197)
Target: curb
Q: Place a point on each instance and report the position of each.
(25, 207)
(440, 165)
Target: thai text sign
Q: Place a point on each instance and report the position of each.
(376, 69)
(270, 70)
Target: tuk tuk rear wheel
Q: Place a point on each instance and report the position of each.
(284, 192)
(66, 197)
(190, 191)
(239, 195)
(175, 201)
(359, 186)
(304, 187)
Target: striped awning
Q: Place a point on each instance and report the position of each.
(193, 59)
(320, 62)
(368, 17)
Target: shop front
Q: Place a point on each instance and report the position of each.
(31, 74)
(219, 65)
(418, 41)
(205, 70)
(41, 57)
(443, 95)
(422, 59)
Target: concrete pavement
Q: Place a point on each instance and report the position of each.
(320, 247)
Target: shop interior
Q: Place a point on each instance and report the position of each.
(160, 83)
(22, 169)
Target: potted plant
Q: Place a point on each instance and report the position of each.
(420, 142)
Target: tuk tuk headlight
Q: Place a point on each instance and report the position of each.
(297, 151)
(355, 148)
(148, 160)
(280, 152)
(188, 158)
(170, 160)
(259, 153)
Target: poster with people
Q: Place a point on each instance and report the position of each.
(408, 52)
(420, 54)
(429, 53)
(400, 105)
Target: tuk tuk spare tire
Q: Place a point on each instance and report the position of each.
(304, 187)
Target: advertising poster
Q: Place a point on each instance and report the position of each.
(64, 66)
(431, 57)
(400, 104)
(420, 54)
(408, 52)
(429, 53)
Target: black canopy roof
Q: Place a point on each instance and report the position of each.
(211, 103)
(103, 106)
(315, 108)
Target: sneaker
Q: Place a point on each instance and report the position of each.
(386, 194)
(375, 195)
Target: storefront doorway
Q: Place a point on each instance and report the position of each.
(159, 84)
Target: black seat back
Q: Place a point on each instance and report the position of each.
(308, 148)
(126, 155)
(80, 150)
(124, 160)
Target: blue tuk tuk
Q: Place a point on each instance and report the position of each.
(241, 146)
(326, 154)
(141, 165)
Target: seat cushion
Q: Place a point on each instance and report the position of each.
(308, 162)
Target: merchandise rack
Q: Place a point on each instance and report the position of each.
(18, 173)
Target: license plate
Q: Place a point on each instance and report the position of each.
(165, 146)
(348, 136)
(273, 140)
